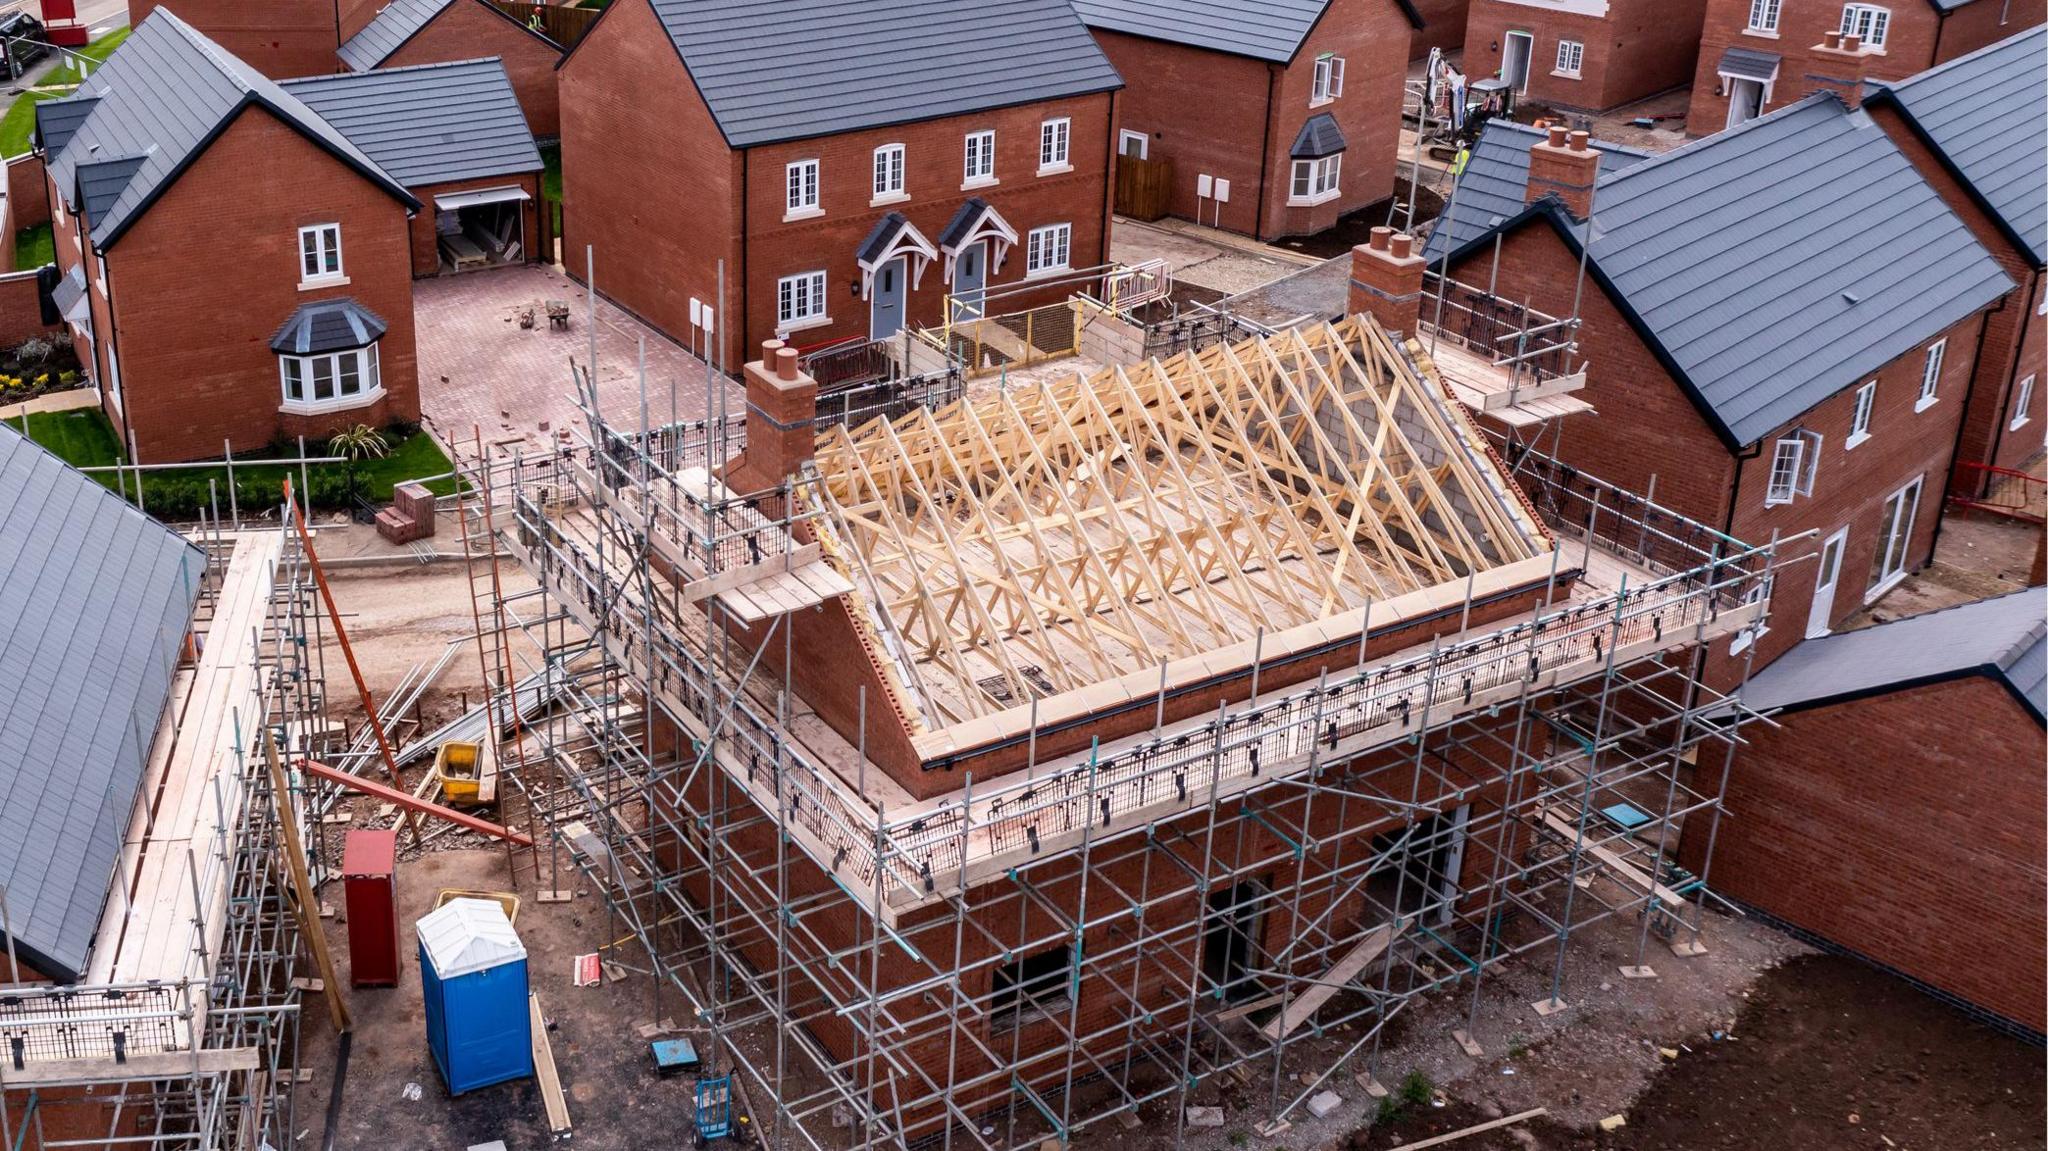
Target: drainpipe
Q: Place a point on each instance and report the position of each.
(1108, 183)
(1735, 493)
(1940, 26)
(1948, 476)
(1273, 73)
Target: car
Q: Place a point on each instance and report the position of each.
(22, 42)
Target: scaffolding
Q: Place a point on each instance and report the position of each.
(1027, 957)
(185, 1033)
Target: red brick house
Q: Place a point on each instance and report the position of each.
(1584, 54)
(173, 145)
(1894, 810)
(1277, 116)
(925, 156)
(1751, 365)
(1756, 55)
(406, 33)
(278, 38)
(1443, 26)
(1974, 130)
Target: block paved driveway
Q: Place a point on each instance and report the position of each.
(480, 370)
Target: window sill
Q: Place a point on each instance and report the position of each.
(804, 324)
(1850, 444)
(1055, 169)
(884, 201)
(2017, 424)
(1760, 33)
(1745, 638)
(323, 282)
(1048, 273)
(1882, 586)
(802, 214)
(1322, 103)
(1313, 201)
(1771, 503)
(1564, 75)
(320, 407)
(979, 182)
(1925, 402)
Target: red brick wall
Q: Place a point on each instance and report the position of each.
(1647, 429)
(1639, 48)
(1208, 113)
(279, 38)
(634, 135)
(2013, 338)
(470, 29)
(934, 159)
(1907, 827)
(28, 196)
(1910, 45)
(426, 250)
(196, 366)
(1443, 26)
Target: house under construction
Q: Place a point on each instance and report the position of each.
(987, 772)
(151, 884)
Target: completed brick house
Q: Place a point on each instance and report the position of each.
(1894, 809)
(235, 257)
(1278, 116)
(406, 33)
(1974, 129)
(851, 167)
(1584, 54)
(1757, 366)
(1756, 56)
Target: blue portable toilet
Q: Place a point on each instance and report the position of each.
(473, 974)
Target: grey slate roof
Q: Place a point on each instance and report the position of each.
(1496, 181)
(431, 124)
(327, 326)
(880, 236)
(161, 98)
(1983, 113)
(95, 601)
(1319, 136)
(1270, 30)
(1748, 63)
(957, 229)
(775, 70)
(100, 185)
(2006, 637)
(57, 119)
(398, 23)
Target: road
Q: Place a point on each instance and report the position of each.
(100, 16)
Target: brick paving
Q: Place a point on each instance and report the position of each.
(480, 370)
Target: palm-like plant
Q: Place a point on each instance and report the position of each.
(361, 442)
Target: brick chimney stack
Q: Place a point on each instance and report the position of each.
(1838, 65)
(781, 403)
(1386, 280)
(1564, 165)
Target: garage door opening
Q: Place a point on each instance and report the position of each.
(484, 229)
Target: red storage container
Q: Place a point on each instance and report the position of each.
(369, 866)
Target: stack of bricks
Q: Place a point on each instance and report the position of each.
(410, 516)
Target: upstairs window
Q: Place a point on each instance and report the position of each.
(1570, 55)
(1329, 81)
(1794, 463)
(1763, 15)
(889, 171)
(981, 157)
(2022, 399)
(1868, 21)
(320, 253)
(1859, 424)
(1930, 376)
(1053, 139)
(803, 187)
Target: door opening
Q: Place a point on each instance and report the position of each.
(1518, 48)
(1231, 941)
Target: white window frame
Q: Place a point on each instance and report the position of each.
(1144, 139)
(1055, 146)
(1859, 421)
(1930, 375)
(801, 302)
(1577, 58)
(1763, 17)
(1795, 461)
(1871, 22)
(1048, 250)
(978, 159)
(1328, 82)
(2022, 399)
(366, 362)
(890, 175)
(801, 187)
(1758, 592)
(325, 249)
(1314, 182)
(1889, 561)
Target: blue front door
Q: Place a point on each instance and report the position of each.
(887, 317)
(970, 281)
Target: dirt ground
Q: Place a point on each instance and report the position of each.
(1977, 556)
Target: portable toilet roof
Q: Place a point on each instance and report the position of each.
(468, 935)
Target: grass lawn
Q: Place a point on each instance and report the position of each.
(85, 439)
(97, 52)
(34, 247)
(19, 121)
